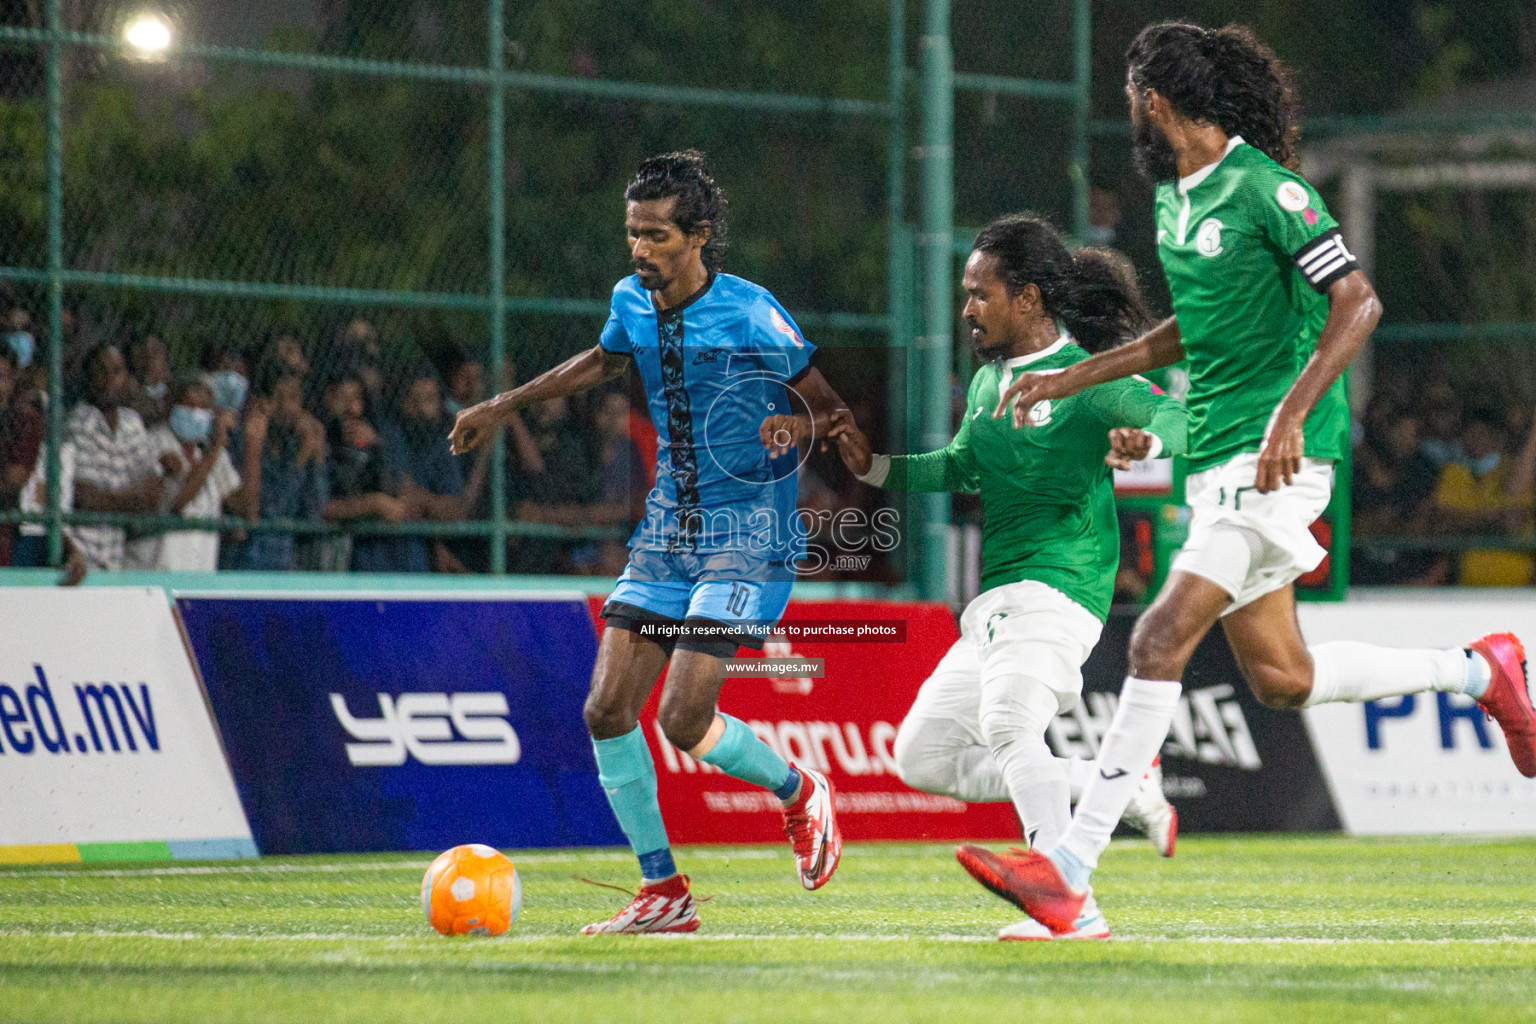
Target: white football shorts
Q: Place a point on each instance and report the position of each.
(1250, 544)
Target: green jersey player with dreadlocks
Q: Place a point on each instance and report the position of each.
(1051, 542)
(1270, 306)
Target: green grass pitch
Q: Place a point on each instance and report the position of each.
(1302, 929)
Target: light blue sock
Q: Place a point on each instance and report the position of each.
(628, 776)
(740, 754)
(1479, 675)
(1073, 870)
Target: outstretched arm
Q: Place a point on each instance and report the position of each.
(1142, 424)
(578, 373)
(783, 432)
(1159, 347)
(1353, 310)
(951, 468)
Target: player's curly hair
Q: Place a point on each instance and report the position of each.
(687, 176)
(1091, 291)
(1225, 77)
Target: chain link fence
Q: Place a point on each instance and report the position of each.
(376, 217)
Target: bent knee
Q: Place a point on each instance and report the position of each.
(685, 727)
(1278, 688)
(923, 760)
(606, 717)
(1157, 648)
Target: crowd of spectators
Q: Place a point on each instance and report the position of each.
(1440, 469)
(312, 438)
(261, 434)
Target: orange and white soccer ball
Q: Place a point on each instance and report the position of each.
(471, 890)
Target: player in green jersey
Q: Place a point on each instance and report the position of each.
(1051, 541)
(1270, 307)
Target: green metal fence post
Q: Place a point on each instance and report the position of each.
(938, 271)
(898, 268)
(55, 279)
(495, 150)
(1082, 70)
(895, 201)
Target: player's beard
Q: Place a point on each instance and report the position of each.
(1154, 154)
(988, 349)
(651, 278)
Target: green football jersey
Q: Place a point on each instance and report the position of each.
(1249, 251)
(1048, 495)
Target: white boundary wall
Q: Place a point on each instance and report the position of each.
(1431, 763)
(105, 735)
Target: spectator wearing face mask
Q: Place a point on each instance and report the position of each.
(115, 462)
(149, 365)
(227, 378)
(1489, 494)
(21, 343)
(1440, 434)
(21, 437)
(199, 479)
(280, 452)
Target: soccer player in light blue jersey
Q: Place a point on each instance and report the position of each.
(735, 400)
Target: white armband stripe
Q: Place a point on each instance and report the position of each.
(879, 469)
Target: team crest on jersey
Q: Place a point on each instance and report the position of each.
(1292, 197)
(782, 326)
(1208, 238)
(1040, 413)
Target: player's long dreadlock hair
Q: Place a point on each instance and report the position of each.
(687, 176)
(1225, 77)
(1092, 291)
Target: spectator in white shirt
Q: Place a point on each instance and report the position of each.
(200, 479)
(115, 463)
(31, 549)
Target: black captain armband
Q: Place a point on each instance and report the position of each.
(1325, 259)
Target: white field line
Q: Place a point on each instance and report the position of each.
(381, 865)
(1523, 940)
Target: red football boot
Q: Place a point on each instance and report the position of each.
(811, 825)
(665, 906)
(1508, 698)
(1029, 881)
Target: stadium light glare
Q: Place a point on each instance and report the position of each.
(149, 34)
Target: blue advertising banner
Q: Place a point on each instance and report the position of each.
(359, 722)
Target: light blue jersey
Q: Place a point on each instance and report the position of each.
(720, 536)
(714, 368)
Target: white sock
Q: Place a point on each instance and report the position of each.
(1079, 770)
(1135, 735)
(1350, 672)
(1015, 710)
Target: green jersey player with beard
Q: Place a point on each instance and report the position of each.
(1051, 541)
(1270, 307)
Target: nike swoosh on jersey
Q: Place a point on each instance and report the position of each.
(1117, 774)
